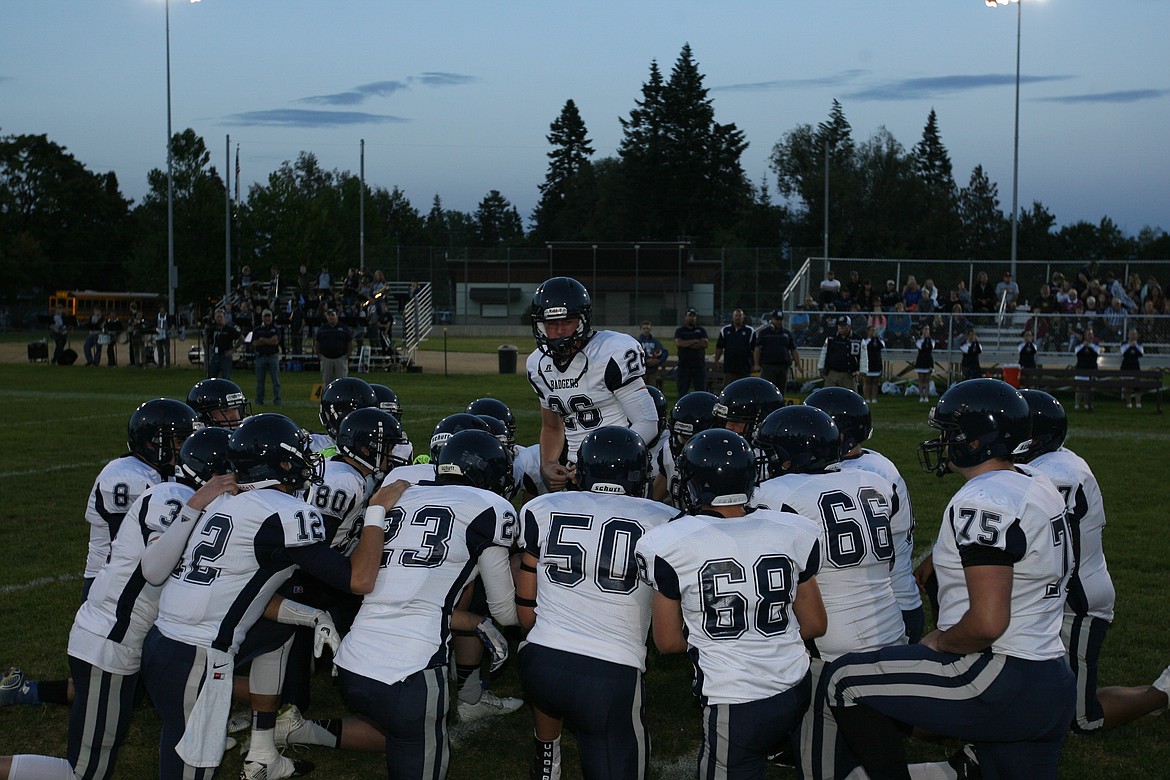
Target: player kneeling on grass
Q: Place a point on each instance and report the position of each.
(579, 594)
(737, 590)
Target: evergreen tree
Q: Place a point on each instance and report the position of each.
(936, 209)
(983, 221)
(642, 154)
(497, 221)
(564, 191)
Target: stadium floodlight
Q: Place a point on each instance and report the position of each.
(1016, 150)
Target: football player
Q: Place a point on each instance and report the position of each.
(105, 643)
(743, 405)
(156, 431)
(388, 402)
(339, 398)
(438, 536)
(584, 378)
(852, 417)
(237, 555)
(220, 403)
(736, 588)
(802, 446)
(994, 671)
(692, 413)
(1088, 610)
(586, 652)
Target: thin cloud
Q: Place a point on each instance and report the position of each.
(439, 79)
(939, 86)
(770, 86)
(375, 89)
(1121, 96)
(297, 117)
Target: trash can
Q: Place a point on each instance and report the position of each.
(507, 355)
(1011, 375)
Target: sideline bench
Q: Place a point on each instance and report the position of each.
(1102, 380)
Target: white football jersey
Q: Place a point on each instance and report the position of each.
(852, 509)
(434, 537)
(901, 524)
(1090, 592)
(583, 392)
(118, 485)
(341, 500)
(414, 474)
(526, 471)
(667, 466)
(233, 564)
(121, 607)
(589, 599)
(323, 444)
(1019, 518)
(737, 580)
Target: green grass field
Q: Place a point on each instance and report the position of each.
(60, 425)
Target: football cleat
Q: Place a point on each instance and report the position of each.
(965, 763)
(288, 720)
(1162, 684)
(10, 685)
(488, 706)
(275, 769)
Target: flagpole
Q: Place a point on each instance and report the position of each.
(227, 218)
(362, 210)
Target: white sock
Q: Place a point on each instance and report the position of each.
(30, 767)
(263, 745)
(934, 771)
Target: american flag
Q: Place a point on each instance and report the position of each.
(237, 174)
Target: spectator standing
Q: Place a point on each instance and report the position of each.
(1027, 350)
(970, 350)
(690, 339)
(305, 283)
(733, 349)
(982, 295)
(324, 281)
(266, 344)
(1088, 354)
(877, 319)
(1131, 355)
(1114, 320)
(163, 326)
(1007, 291)
(830, 290)
(59, 330)
(92, 347)
(775, 350)
(134, 326)
(656, 354)
(334, 346)
(842, 357)
(871, 380)
(221, 340)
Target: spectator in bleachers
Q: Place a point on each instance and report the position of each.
(1071, 301)
(324, 280)
(931, 293)
(982, 295)
(911, 294)
(830, 289)
(853, 286)
(1116, 289)
(351, 287)
(1152, 291)
(378, 284)
(246, 281)
(844, 301)
(1089, 271)
(960, 326)
(1007, 290)
(865, 295)
(898, 327)
(1133, 289)
(1113, 321)
(964, 295)
(890, 296)
(814, 323)
(1148, 325)
(858, 321)
(800, 324)
(305, 285)
(877, 319)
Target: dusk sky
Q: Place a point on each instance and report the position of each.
(456, 97)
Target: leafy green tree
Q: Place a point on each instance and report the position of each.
(497, 221)
(1036, 234)
(199, 225)
(1104, 241)
(565, 194)
(61, 225)
(984, 227)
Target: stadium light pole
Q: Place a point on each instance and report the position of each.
(171, 270)
(1016, 148)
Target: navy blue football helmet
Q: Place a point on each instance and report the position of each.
(613, 460)
(747, 402)
(369, 436)
(203, 456)
(493, 407)
(1049, 424)
(270, 449)
(157, 430)
(716, 468)
(849, 411)
(803, 437)
(561, 298)
(452, 424)
(977, 420)
(343, 396)
(220, 403)
(692, 413)
(388, 400)
(475, 457)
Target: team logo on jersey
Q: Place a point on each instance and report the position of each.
(563, 384)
